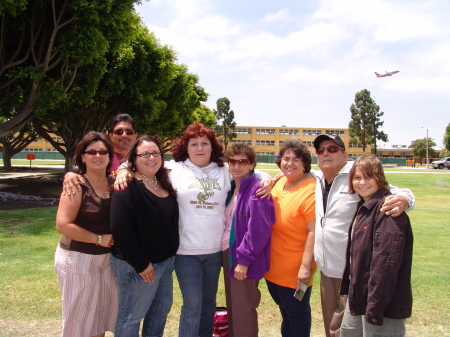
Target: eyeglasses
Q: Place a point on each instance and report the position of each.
(119, 132)
(94, 152)
(240, 162)
(294, 160)
(330, 149)
(155, 154)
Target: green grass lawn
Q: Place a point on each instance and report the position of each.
(30, 296)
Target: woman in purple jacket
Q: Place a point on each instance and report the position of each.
(246, 242)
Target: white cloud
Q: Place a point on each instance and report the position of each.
(282, 15)
(287, 67)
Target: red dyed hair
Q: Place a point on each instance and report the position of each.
(195, 130)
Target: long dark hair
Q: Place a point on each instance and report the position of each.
(371, 167)
(163, 173)
(90, 137)
(195, 130)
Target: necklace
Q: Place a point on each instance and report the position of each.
(153, 183)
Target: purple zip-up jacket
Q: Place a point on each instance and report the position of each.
(253, 220)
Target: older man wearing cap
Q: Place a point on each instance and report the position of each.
(335, 208)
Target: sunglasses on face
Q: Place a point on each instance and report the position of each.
(119, 132)
(148, 154)
(95, 152)
(330, 149)
(240, 162)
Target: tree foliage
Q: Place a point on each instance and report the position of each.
(225, 123)
(42, 45)
(419, 148)
(447, 137)
(141, 79)
(366, 123)
(103, 62)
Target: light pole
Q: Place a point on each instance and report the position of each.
(427, 147)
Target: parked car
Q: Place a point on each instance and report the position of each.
(441, 163)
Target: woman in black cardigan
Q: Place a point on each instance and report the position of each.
(144, 219)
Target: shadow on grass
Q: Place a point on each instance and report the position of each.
(27, 222)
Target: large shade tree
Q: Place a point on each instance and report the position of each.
(10, 145)
(141, 79)
(419, 148)
(42, 45)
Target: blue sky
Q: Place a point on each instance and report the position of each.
(299, 63)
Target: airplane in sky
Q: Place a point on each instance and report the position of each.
(387, 73)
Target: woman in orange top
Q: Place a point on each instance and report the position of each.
(291, 256)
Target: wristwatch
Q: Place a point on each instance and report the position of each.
(99, 239)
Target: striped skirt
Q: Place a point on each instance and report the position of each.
(89, 293)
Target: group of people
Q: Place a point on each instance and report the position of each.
(194, 215)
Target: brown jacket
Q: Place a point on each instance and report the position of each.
(378, 278)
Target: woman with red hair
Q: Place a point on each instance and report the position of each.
(202, 183)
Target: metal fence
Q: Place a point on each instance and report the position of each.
(168, 156)
(38, 155)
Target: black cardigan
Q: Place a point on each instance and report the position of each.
(141, 234)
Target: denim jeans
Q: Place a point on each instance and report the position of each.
(139, 299)
(198, 276)
(296, 314)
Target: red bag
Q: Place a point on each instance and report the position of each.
(220, 322)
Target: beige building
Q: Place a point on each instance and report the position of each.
(267, 140)
(42, 145)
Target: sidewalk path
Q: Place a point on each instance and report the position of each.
(33, 171)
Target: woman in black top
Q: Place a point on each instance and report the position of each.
(144, 222)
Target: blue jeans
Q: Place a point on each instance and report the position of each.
(296, 314)
(139, 299)
(198, 276)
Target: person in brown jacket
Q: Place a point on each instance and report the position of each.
(377, 277)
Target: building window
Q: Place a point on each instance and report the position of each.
(245, 141)
(312, 132)
(335, 132)
(265, 143)
(288, 132)
(242, 131)
(265, 153)
(265, 131)
(355, 145)
(309, 144)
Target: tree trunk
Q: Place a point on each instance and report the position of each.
(6, 158)
(68, 166)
